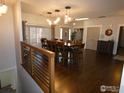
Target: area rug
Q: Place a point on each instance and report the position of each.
(119, 58)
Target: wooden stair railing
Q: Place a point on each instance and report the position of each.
(39, 63)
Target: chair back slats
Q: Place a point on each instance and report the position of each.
(44, 42)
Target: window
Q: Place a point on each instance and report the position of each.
(35, 33)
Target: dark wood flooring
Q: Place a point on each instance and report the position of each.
(121, 51)
(7, 90)
(89, 74)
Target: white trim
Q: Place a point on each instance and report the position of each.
(61, 33)
(69, 34)
(8, 69)
(93, 26)
(121, 90)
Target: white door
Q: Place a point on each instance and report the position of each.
(92, 37)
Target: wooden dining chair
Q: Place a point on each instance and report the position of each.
(61, 53)
(44, 42)
(51, 45)
(78, 52)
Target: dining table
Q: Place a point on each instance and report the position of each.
(67, 50)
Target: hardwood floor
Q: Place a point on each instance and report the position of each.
(121, 51)
(7, 90)
(88, 75)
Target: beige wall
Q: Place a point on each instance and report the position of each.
(7, 46)
(104, 23)
(33, 19)
(37, 20)
(24, 80)
(79, 24)
(7, 49)
(57, 32)
(18, 38)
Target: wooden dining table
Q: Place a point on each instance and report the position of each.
(67, 49)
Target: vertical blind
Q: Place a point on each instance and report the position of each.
(35, 33)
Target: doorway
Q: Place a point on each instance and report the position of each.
(92, 37)
(77, 34)
(121, 42)
(65, 34)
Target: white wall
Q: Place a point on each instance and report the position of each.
(57, 32)
(25, 83)
(37, 20)
(17, 38)
(105, 23)
(7, 49)
(33, 19)
(7, 45)
(122, 82)
(28, 84)
(79, 24)
(8, 77)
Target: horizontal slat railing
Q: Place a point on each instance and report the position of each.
(39, 63)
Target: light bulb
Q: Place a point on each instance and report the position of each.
(3, 9)
(49, 22)
(57, 20)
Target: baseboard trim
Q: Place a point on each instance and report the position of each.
(8, 69)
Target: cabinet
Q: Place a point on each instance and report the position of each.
(105, 47)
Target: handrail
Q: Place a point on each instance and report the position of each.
(39, 63)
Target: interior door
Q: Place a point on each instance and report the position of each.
(92, 37)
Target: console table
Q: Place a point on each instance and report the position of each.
(105, 47)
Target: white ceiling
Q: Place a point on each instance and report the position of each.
(80, 8)
(10, 2)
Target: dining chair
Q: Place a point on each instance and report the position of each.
(78, 52)
(44, 42)
(61, 53)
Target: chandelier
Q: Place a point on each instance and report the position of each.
(67, 17)
(53, 22)
(3, 7)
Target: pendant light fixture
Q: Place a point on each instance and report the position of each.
(53, 22)
(67, 17)
(3, 7)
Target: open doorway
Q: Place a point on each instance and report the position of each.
(65, 33)
(121, 42)
(77, 34)
(92, 37)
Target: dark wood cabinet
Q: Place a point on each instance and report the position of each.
(105, 47)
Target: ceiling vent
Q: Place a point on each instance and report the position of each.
(102, 17)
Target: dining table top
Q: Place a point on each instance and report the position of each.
(68, 44)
